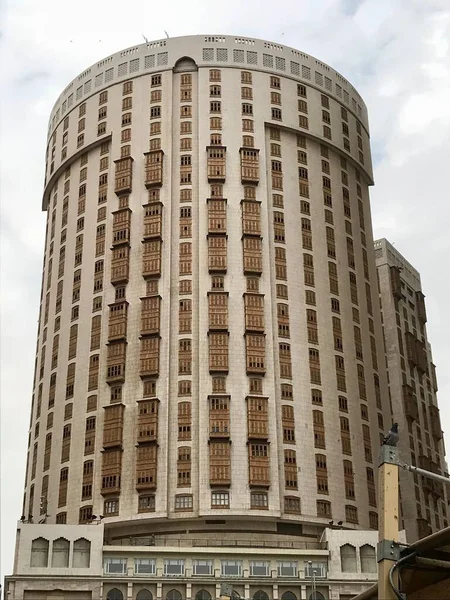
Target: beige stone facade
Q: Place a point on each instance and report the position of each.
(70, 562)
(412, 392)
(209, 333)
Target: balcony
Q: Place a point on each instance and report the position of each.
(410, 403)
(146, 477)
(222, 467)
(219, 425)
(115, 372)
(396, 283)
(249, 165)
(216, 163)
(435, 422)
(422, 358)
(259, 471)
(423, 528)
(152, 220)
(421, 312)
(178, 542)
(123, 175)
(438, 486)
(411, 349)
(154, 168)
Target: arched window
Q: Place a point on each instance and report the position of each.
(173, 595)
(260, 595)
(203, 595)
(316, 596)
(144, 595)
(114, 594)
(348, 559)
(81, 554)
(288, 596)
(39, 553)
(60, 553)
(368, 559)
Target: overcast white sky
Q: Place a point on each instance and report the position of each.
(395, 52)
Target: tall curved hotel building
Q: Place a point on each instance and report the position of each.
(210, 358)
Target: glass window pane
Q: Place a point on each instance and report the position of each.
(202, 567)
(145, 565)
(115, 565)
(174, 567)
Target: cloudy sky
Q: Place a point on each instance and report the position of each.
(395, 52)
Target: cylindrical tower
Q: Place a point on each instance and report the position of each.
(209, 341)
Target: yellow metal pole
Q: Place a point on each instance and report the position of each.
(388, 520)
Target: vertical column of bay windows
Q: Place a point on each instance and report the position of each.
(70, 377)
(41, 372)
(254, 321)
(62, 497)
(323, 505)
(373, 362)
(351, 511)
(96, 323)
(364, 387)
(85, 511)
(150, 333)
(117, 326)
(75, 312)
(218, 328)
(291, 500)
(184, 496)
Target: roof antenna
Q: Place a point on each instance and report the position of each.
(146, 40)
(167, 35)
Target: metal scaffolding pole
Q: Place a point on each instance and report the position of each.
(388, 549)
(420, 471)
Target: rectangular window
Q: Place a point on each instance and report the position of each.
(155, 96)
(126, 119)
(220, 500)
(113, 566)
(259, 500)
(275, 82)
(174, 567)
(127, 87)
(186, 112)
(202, 567)
(231, 568)
(111, 507)
(183, 502)
(276, 114)
(259, 568)
(326, 132)
(287, 569)
(275, 97)
(145, 566)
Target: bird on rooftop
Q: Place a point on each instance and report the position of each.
(391, 439)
